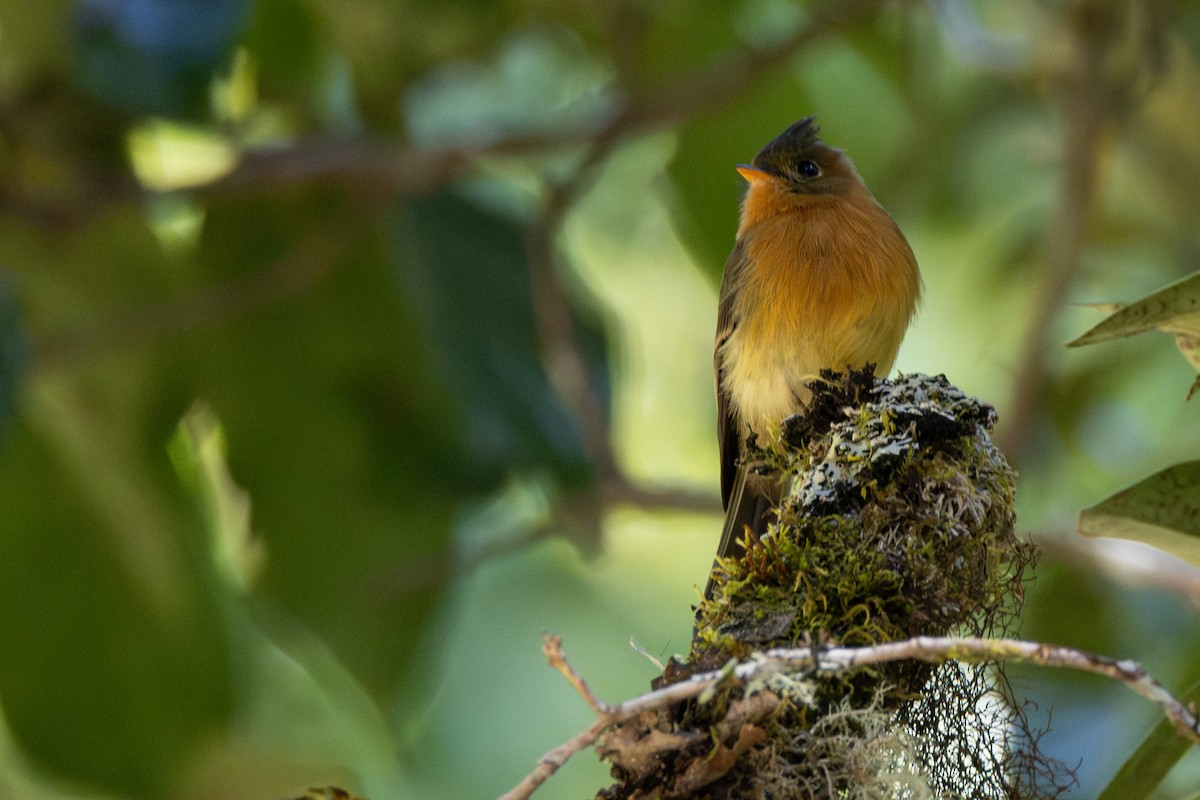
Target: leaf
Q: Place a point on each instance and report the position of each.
(305, 700)
(1174, 309)
(1162, 511)
(198, 451)
(115, 658)
(344, 439)
(1189, 345)
(541, 80)
(154, 56)
(286, 39)
(464, 271)
(1100, 308)
(1143, 771)
(14, 352)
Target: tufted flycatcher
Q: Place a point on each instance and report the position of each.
(820, 277)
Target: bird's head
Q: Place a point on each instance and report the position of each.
(798, 162)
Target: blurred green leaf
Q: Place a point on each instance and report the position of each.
(292, 676)
(286, 39)
(671, 41)
(1162, 510)
(465, 272)
(336, 426)
(154, 56)
(116, 659)
(1141, 774)
(1189, 346)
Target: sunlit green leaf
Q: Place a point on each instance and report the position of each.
(198, 450)
(1174, 309)
(1162, 510)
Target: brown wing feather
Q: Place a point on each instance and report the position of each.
(727, 425)
(740, 509)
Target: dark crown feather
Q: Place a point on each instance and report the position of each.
(784, 147)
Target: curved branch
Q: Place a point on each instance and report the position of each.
(841, 659)
(379, 166)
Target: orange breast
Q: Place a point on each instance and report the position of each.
(831, 283)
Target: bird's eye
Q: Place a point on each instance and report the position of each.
(808, 169)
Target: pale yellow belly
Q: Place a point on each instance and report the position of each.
(840, 291)
(766, 384)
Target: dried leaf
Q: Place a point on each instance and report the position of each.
(1189, 345)
(704, 771)
(637, 746)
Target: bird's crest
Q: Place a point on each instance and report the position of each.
(798, 137)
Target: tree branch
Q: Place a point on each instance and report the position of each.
(311, 261)
(841, 659)
(381, 166)
(1092, 94)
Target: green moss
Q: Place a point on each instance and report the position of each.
(899, 522)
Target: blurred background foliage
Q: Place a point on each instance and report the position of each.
(347, 346)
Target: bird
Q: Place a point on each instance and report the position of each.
(820, 277)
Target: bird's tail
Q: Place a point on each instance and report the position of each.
(745, 515)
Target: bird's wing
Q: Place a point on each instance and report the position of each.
(727, 425)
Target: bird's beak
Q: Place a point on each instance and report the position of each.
(753, 174)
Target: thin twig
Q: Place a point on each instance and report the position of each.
(550, 763)
(552, 648)
(840, 659)
(565, 363)
(617, 488)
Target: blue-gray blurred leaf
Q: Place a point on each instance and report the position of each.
(540, 81)
(154, 56)
(463, 270)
